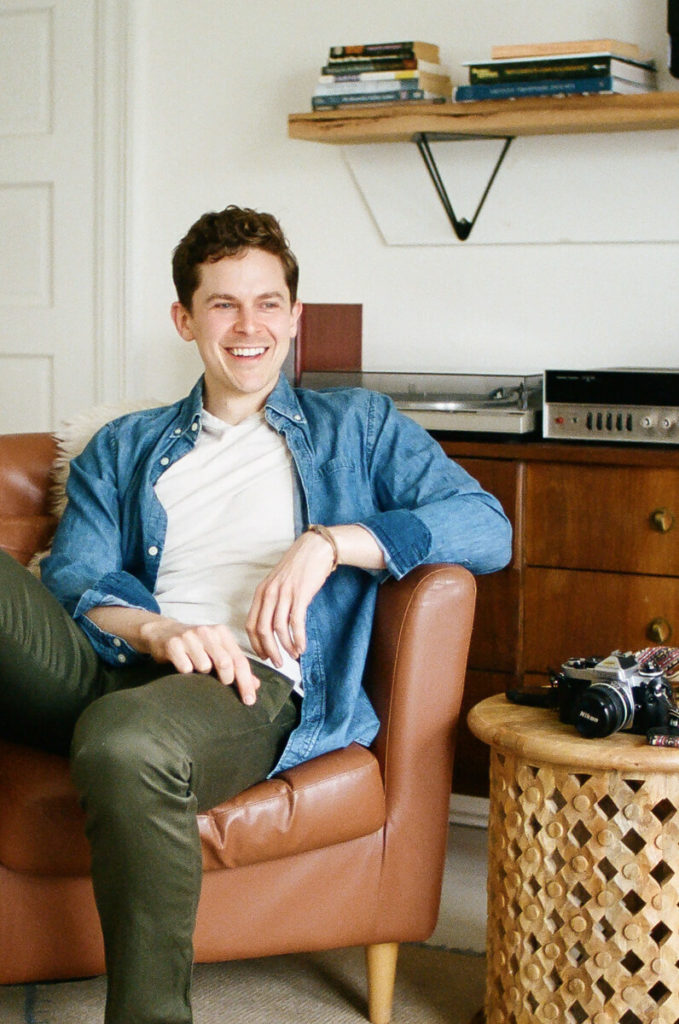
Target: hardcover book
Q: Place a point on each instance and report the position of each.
(614, 46)
(412, 70)
(413, 48)
(428, 83)
(560, 87)
(517, 70)
(356, 99)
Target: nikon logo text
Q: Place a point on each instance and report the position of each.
(586, 714)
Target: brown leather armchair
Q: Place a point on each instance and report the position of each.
(345, 850)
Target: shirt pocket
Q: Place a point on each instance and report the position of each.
(342, 493)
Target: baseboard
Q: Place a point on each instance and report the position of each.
(469, 810)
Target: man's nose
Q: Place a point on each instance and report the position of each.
(246, 322)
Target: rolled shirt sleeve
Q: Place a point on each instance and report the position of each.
(433, 510)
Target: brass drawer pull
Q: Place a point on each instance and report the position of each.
(659, 631)
(662, 520)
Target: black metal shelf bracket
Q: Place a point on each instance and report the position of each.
(461, 226)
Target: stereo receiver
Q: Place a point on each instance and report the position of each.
(637, 405)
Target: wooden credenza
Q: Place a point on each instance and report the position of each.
(595, 564)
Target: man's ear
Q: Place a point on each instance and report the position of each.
(295, 314)
(183, 321)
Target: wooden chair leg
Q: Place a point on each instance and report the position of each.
(380, 962)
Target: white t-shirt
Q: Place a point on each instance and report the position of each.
(229, 505)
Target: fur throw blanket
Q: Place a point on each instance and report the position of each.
(72, 437)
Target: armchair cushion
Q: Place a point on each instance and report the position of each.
(329, 800)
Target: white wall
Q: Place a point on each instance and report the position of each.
(212, 83)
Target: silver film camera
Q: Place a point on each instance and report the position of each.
(601, 696)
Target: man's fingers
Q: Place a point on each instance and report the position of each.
(260, 623)
(297, 631)
(178, 654)
(247, 683)
(214, 648)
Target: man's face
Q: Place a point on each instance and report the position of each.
(242, 322)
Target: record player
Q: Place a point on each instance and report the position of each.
(474, 403)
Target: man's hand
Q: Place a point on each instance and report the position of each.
(188, 648)
(281, 600)
(201, 649)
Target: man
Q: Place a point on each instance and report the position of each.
(218, 562)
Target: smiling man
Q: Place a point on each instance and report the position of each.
(215, 575)
(242, 318)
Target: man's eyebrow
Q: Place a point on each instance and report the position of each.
(234, 298)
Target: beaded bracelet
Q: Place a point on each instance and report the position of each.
(325, 533)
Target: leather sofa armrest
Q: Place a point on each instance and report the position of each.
(416, 673)
(25, 464)
(415, 677)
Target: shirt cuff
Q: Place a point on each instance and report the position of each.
(403, 537)
(110, 648)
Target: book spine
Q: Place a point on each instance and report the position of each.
(423, 67)
(409, 48)
(368, 64)
(512, 90)
(405, 49)
(356, 88)
(520, 71)
(393, 96)
(399, 75)
(615, 46)
(582, 67)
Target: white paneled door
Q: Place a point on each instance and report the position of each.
(50, 139)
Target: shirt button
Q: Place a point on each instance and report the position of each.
(165, 461)
(122, 659)
(177, 431)
(297, 417)
(153, 550)
(117, 642)
(194, 426)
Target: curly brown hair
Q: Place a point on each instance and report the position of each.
(229, 233)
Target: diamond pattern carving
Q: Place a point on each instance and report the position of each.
(583, 895)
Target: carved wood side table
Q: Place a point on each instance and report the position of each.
(583, 873)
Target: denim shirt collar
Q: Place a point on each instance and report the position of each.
(283, 407)
(282, 404)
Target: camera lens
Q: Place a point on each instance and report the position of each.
(603, 709)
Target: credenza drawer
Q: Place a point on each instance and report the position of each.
(497, 624)
(620, 519)
(471, 755)
(572, 614)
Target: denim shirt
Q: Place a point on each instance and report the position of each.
(357, 460)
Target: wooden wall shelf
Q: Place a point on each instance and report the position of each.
(541, 116)
(507, 119)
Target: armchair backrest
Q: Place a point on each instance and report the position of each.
(26, 525)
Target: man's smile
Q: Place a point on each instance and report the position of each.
(248, 353)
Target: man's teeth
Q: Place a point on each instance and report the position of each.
(248, 351)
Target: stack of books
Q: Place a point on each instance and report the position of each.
(559, 69)
(407, 72)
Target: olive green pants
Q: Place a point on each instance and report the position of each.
(149, 750)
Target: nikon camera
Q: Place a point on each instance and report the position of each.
(600, 696)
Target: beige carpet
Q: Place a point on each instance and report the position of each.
(433, 986)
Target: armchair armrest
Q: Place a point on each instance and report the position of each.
(415, 678)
